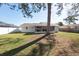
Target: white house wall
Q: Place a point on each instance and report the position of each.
(6, 30)
(56, 29)
(30, 29)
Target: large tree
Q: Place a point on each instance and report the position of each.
(49, 18)
(71, 19)
(73, 13)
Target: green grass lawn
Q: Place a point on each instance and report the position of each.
(72, 36)
(11, 41)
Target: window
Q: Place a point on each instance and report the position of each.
(52, 28)
(38, 27)
(26, 27)
(38, 30)
(44, 29)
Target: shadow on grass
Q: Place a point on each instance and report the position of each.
(43, 48)
(8, 40)
(18, 49)
(30, 33)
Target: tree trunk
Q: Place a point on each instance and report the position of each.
(48, 18)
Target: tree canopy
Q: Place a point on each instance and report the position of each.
(60, 24)
(28, 8)
(70, 19)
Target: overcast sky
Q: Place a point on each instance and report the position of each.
(15, 17)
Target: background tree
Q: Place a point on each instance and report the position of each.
(60, 24)
(70, 19)
(73, 12)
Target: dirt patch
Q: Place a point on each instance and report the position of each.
(64, 47)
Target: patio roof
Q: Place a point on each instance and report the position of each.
(35, 24)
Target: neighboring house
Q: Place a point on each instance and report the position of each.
(6, 28)
(37, 27)
(70, 28)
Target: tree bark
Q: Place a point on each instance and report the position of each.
(49, 18)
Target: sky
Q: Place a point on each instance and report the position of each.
(15, 17)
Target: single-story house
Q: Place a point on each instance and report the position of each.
(38, 27)
(27, 28)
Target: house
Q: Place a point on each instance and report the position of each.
(37, 28)
(26, 28)
(6, 28)
(70, 28)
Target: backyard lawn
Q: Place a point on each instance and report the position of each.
(11, 41)
(67, 44)
(71, 36)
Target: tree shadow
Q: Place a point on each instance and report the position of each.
(44, 48)
(18, 49)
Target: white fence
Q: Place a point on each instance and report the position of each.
(5, 30)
